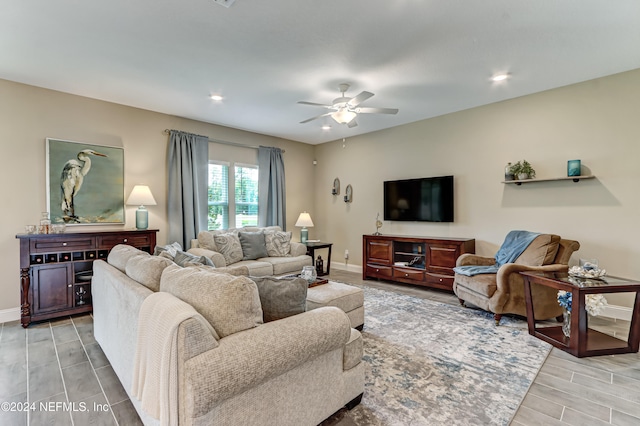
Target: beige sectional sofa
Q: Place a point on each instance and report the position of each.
(237, 247)
(232, 366)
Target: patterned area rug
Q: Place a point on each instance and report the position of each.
(429, 363)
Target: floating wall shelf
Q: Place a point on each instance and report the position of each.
(573, 178)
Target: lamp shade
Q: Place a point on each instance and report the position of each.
(140, 196)
(304, 220)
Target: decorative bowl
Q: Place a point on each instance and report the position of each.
(579, 272)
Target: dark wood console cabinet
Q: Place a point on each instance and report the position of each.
(56, 269)
(426, 261)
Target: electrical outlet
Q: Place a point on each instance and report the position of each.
(346, 254)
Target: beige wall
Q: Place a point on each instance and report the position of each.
(596, 121)
(28, 115)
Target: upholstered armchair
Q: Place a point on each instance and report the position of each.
(503, 292)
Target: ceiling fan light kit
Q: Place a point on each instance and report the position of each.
(225, 3)
(344, 110)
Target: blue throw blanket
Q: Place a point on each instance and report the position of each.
(514, 244)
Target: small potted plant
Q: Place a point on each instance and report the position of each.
(522, 170)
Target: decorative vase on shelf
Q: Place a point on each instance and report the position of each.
(523, 176)
(508, 173)
(566, 323)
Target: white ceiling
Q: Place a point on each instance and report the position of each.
(425, 57)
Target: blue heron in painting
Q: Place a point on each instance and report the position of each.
(71, 180)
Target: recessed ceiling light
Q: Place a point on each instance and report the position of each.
(500, 77)
(326, 127)
(216, 97)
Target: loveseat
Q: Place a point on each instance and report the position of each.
(231, 366)
(263, 250)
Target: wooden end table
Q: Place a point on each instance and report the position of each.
(312, 246)
(583, 341)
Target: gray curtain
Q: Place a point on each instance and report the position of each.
(271, 189)
(187, 165)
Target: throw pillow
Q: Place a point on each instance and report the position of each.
(230, 304)
(185, 259)
(205, 240)
(170, 250)
(281, 297)
(253, 245)
(278, 243)
(229, 246)
(147, 270)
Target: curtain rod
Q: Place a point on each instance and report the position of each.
(167, 131)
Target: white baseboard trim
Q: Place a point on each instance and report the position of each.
(610, 311)
(617, 312)
(11, 314)
(346, 267)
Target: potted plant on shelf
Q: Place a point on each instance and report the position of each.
(522, 170)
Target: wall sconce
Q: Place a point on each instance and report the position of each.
(348, 193)
(336, 187)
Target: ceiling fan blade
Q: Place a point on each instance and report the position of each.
(315, 104)
(316, 117)
(363, 96)
(352, 123)
(369, 110)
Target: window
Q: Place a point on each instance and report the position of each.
(246, 200)
(243, 184)
(218, 196)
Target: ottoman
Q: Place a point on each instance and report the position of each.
(346, 297)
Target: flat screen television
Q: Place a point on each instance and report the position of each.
(423, 200)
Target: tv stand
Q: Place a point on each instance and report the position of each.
(425, 261)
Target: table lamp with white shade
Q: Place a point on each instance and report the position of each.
(304, 220)
(141, 196)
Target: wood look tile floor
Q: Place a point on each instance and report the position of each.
(55, 373)
(602, 390)
(60, 364)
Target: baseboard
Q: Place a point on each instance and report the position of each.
(11, 314)
(617, 312)
(610, 311)
(346, 267)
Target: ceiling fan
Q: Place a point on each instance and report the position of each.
(344, 110)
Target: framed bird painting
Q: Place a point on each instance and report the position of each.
(85, 183)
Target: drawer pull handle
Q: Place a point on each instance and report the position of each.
(125, 240)
(406, 275)
(64, 244)
(377, 270)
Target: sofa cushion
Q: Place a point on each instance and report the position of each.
(229, 246)
(253, 245)
(185, 259)
(257, 268)
(281, 297)
(147, 270)
(287, 265)
(120, 255)
(482, 284)
(541, 251)
(231, 304)
(278, 243)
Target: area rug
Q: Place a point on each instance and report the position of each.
(429, 363)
